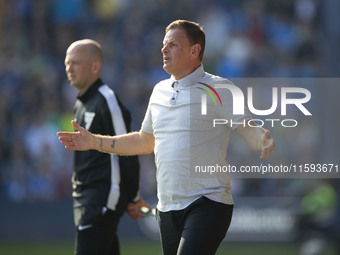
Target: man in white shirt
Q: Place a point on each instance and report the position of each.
(193, 211)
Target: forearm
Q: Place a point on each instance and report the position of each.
(252, 135)
(255, 140)
(129, 144)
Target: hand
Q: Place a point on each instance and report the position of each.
(267, 145)
(134, 209)
(80, 141)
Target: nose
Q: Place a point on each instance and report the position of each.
(67, 67)
(164, 48)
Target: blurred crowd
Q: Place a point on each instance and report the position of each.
(245, 38)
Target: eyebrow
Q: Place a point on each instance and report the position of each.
(170, 41)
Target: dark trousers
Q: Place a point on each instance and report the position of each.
(196, 230)
(98, 235)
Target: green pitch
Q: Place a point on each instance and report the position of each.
(151, 248)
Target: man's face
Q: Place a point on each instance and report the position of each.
(177, 57)
(78, 67)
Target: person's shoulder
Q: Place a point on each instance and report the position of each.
(106, 91)
(106, 88)
(105, 97)
(162, 84)
(213, 79)
(223, 86)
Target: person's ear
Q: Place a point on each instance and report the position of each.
(195, 50)
(96, 66)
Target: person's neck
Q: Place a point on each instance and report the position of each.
(185, 74)
(83, 91)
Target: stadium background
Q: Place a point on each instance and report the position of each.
(255, 38)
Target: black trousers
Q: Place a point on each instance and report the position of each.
(96, 233)
(196, 230)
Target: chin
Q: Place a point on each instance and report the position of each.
(167, 69)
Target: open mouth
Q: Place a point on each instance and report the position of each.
(166, 59)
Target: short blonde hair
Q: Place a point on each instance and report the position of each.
(194, 31)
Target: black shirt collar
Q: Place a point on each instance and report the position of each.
(90, 91)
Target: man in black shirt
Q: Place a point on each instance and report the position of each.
(104, 185)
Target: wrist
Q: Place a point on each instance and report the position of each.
(97, 142)
(260, 143)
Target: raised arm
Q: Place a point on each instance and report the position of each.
(258, 139)
(134, 143)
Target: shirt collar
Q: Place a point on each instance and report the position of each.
(190, 79)
(90, 91)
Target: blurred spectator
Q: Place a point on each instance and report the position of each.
(318, 218)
